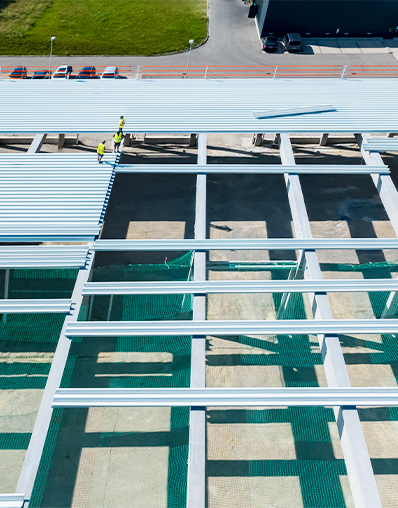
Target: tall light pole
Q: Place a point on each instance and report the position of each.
(51, 50)
(191, 41)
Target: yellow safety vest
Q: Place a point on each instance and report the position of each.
(101, 149)
(118, 137)
(121, 123)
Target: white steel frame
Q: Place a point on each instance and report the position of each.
(339, 394)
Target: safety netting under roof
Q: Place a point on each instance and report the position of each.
(53, 196)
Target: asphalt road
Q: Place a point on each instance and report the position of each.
(234, 40)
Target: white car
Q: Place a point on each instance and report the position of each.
(110, 72)
(63, 72)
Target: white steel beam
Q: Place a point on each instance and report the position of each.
(239, 286)
(196, 479)
(235, 327)
(38, 438)
(254, 169)
(224, 397)
(359, 468)
(32, 306)
(380, 145)
(248, 244)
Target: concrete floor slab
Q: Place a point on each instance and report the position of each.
(255, 492)
(270, 441)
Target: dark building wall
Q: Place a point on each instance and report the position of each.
(329, 18)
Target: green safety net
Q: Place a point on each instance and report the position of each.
(316, 466)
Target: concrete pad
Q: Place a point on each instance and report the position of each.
(371, 46)
(110, 477)
(327, 46)
(388, 488)
(18, 409)
(10, 467)
(150, 229)
(140, 419)
(244, 376)
(348, 46)
(371, 375)
(254, 492)
(266, 441)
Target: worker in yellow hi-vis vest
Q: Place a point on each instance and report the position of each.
(100, 151)
(121, 124)
(117, 139)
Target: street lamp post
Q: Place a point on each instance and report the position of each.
(51, 50)
(191, 41)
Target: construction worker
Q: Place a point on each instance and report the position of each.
(117, 140)
(100, 151)
(121, 124)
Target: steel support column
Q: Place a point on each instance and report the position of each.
(36, 143)
(359, 468)
(42, 423)
(196, 482)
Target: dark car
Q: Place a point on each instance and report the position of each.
(19, 73)
(270, 43)
(292, 43)
(42, 75)
(89, 72)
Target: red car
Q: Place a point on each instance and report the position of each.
(19, 73)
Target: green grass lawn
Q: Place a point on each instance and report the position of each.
(101, 27)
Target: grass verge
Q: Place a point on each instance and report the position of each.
(101, 27)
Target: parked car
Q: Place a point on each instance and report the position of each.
(110, 72)
(42, 75)
(87, 73)
(292, 43)
(63, 72)
(270, 43)
(19, 73)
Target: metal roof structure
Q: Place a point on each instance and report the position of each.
(197, 105)
(43, 256)
(238, 286)
(224, 397)
(381, 145)
(252, 169)
(248, 244)
(60, 197)
(64, 197)
(231, 328)
(22, 306)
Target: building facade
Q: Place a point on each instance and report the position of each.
(328, 18)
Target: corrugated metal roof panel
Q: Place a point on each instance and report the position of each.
(197, 105)
(47, 197)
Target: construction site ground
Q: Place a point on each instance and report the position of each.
(261, 457)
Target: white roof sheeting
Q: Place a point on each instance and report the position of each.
(53, 197)
(381, 145)
(43, 256)
(197, 105)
